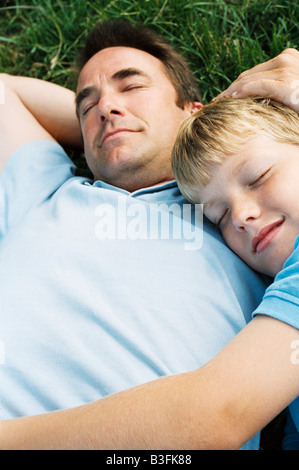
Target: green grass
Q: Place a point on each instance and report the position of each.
(219, 38)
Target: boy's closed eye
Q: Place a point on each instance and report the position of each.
(220, 220)
(259, 179)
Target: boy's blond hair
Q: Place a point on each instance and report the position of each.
(219, 129)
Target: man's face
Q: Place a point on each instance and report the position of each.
(129, 117)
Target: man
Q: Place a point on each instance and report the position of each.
(103, 300)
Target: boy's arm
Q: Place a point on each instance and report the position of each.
(277, 78)
(219, 406)
(32, 109)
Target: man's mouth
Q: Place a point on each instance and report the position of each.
(265, 236)
(111, 133)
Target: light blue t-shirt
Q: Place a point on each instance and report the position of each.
(96, 295)
(281, 301)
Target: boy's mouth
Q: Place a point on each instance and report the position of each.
(265, 236)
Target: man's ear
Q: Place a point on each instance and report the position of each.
(193, 106)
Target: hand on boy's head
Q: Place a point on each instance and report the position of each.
(277, 78)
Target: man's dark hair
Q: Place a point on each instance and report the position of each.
(123, 33)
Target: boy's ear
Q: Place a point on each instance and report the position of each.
(193, 106)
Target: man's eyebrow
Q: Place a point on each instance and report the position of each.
(124, 73)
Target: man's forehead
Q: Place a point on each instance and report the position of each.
(113, 59)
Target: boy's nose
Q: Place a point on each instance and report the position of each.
(244, 214)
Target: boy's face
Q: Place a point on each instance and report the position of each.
(253, 197)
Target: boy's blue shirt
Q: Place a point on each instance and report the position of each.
(281, 301)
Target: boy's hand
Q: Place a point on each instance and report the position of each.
(277, 78)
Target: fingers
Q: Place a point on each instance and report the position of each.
(286, 61)
(291, 51)
(276, 78)
(255, 83)
(286, 58)
(262, 87)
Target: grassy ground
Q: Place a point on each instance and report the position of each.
(219, 38)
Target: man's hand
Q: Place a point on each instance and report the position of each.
(277, 78)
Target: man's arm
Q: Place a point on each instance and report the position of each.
(32, 109)
(219, 406)
(277, 78)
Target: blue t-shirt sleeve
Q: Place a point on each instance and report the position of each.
(34, 172)
(281, 299)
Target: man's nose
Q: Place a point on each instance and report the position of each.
(108, 105)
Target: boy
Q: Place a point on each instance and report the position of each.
(240, 159)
